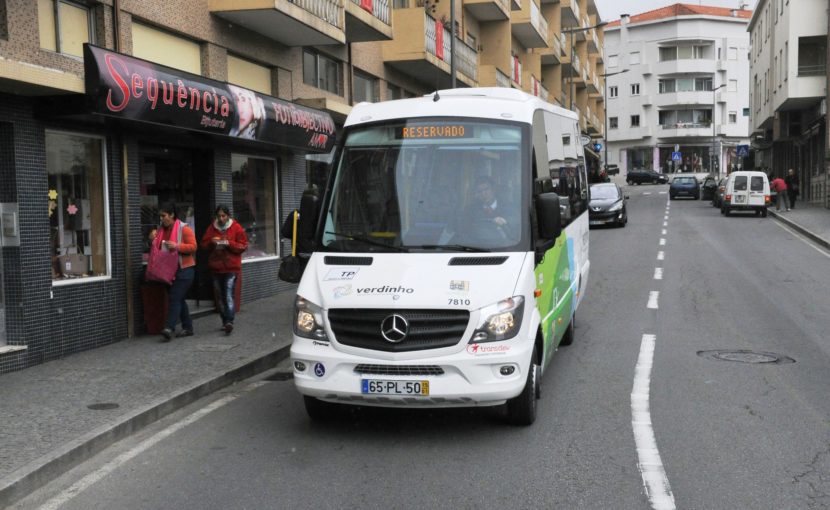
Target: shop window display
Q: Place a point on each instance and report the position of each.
(77, 206)
(255, 204)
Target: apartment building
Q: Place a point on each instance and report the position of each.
(678, 82)
(113, 107)
(788, 66)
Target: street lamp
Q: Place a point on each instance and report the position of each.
(712, 156)
(572, 31)
(605, 102)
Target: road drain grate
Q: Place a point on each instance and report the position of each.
(103, 406)
(744, 356)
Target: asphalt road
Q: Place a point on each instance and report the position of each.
(729, 432)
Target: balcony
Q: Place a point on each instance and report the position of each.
(488, 10)
(552, 55)
(646, 100)
(701, 97)
(686, 129)
(593, 84)
(428, 58)
(291, 23)
(368, 20)
(529, 27)
(593, 42)
(537, 89)
(570, 13)
(685, 66)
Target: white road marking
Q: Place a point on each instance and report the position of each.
(663, 232)
(646, 192)
(96, 476)
(666, 217)
(665, 223)
(651, 468)
(658, 273)
(653, 296)
(663, 192)
(661, 255)
(662, 242)
(804, 239)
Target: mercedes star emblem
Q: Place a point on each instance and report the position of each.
(394, 328)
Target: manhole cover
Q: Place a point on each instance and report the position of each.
(744, 356)
(103, 406)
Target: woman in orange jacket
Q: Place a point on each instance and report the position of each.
(185, 244)
(225, 240)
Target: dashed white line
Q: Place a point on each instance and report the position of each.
(96, 476)
(658, 273)
(663, 232)
(653, 296)
(646, 192)
(661, 255)
(666, 217)
(651, 468)
(662, 241)
(663, 192)
(665, 223)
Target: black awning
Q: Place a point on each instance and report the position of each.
(128, 88)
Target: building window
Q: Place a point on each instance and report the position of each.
(612, 123)
(634, 58)
(612, 61)
(365, 88)
(77, 205)
(732, 86)
(635, 121)
(249, 75)
(255, 203)
(635, 89)
(812, 55)
(685, 52)
(321, 72)
(64, 26)
(613, 91)
(733, 117)
(393, 92)
(164, 48)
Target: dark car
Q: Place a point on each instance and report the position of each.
(612, 169)
(720, 191)
(709, 188)
(684, 186)
(607, 205)
(645, 176)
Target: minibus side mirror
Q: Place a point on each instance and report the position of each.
(549, 221)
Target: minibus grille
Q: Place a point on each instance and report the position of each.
(347, 261)
(477, 261)
(367, 369)
(428, 329)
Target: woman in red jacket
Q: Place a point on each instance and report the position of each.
(184, 243)
(225, 241)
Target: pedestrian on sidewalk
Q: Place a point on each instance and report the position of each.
(185, 244)
(225, 241)
(792, 186)
(780, 187)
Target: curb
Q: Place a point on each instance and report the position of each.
(801, 230)
(40, 472)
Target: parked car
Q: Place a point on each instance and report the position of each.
(717, 199)
(607, 205)
(709, 188)
(645, 176)
(612, 169)
(746, 191)
(684, 186)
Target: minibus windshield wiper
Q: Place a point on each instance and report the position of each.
(366, 240)
(450, 247)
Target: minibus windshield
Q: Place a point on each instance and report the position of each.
(429, 185)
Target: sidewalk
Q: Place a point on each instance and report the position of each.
(47, 424)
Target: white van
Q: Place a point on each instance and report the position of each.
(746, 191)
(451, 254)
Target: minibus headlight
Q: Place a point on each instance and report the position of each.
(308, 319)
(500, 321)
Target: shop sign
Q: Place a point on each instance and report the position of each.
(125, 87)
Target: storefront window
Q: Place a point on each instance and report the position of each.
(77, 206)
(255, 203)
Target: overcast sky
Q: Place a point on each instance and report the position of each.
(610, 10)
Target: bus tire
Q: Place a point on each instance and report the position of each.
(521, 410)
(568, 337)
(318, 410)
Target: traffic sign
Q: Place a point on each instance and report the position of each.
(676, 156)
(743, 151)
(597, 146)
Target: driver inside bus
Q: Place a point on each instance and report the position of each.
(486, 203)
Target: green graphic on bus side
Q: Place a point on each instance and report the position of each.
(554, 276)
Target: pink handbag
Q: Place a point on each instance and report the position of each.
(163, 264)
